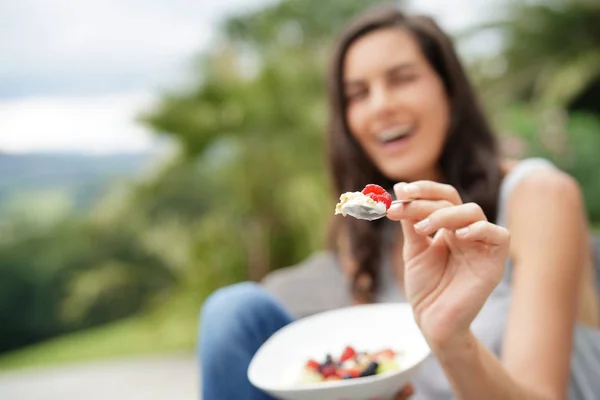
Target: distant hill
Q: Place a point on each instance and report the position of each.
(84, 178)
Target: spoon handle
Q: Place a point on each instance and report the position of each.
(402, 201)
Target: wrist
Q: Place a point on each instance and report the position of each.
(457, 345)
(472, 371)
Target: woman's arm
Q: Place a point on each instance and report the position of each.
(549, 246)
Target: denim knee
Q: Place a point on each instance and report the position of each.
(234, 322)
(226, 306)
(236, 309)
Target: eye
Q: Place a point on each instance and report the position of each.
(403, 78)
(356, 95)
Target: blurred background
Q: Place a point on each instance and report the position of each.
(140, 143)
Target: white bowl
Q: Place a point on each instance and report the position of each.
(277, 366)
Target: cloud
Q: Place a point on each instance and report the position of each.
(74, 73)
(99, 124)
(66, 46)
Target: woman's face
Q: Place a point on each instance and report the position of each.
(397, 108)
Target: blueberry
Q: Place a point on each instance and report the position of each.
(370, 370)
(347, 376)
(328, 361)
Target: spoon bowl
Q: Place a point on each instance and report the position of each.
(362, 211)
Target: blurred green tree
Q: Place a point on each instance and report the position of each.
(550, 54)
(547, 71)
(254, 125)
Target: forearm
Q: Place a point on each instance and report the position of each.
(476, 373)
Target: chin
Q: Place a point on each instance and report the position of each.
(406, 171)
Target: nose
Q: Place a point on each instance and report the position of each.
(380, 103)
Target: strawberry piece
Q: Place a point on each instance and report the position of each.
(352, 372)
(385, 354)
(347, 354)
(312, 364)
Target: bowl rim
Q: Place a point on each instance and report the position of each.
(324, 385)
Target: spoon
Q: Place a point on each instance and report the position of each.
(361, 211)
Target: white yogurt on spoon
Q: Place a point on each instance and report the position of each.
(361, 206)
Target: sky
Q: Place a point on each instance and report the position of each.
(75, 73)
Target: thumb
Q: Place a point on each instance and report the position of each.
(414, 243)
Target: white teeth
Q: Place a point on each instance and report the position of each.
(394, 133)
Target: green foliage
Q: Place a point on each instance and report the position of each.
(571, 142)
(247, 194)
(583, 161)
(257, 138)
(551, 52)
(294, 23)
(137, 335)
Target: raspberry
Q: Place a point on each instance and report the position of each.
(328, 370)
(378, 194)
(372, 188)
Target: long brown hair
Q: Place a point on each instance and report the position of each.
(469, 160)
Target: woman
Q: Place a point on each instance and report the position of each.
(503, 313)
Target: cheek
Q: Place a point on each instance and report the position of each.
(428, 99)
(429, 104)
(440, 112)
(355, 115)
(436, 111)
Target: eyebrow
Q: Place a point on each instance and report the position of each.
(390, 71)
(400, 68)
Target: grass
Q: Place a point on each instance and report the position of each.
(142, 335)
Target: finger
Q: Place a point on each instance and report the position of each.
(483, 231)
(414, 244)
(406, 392)
(451, 218)
(416, 210)
(427, 190)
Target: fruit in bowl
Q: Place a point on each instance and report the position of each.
(350, 365)
(281, 366)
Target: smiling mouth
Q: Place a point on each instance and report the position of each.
(395, 134)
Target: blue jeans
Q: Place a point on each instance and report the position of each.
(235, 321)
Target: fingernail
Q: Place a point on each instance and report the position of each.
(396, 207)
(411, 188)
(462, 231)
(422, 224)
(399, 185)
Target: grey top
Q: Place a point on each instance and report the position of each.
(317, 284)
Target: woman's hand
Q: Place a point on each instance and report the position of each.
(448, 277)
(406, 393)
